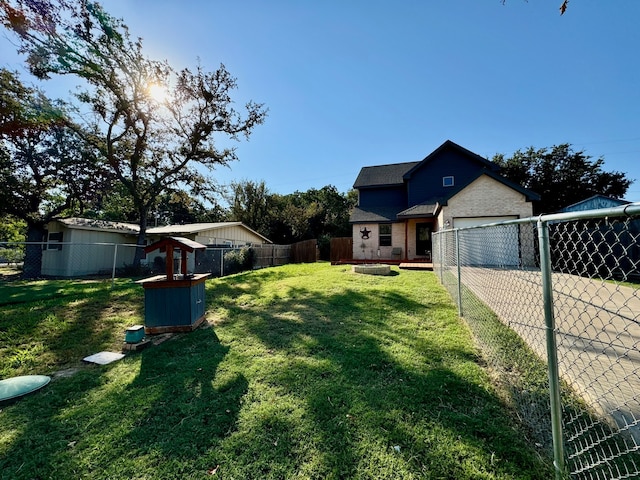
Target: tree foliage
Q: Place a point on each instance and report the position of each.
(46, 168)
(150, 144)
(561, 176)
(285, 219)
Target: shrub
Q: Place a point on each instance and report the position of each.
(239, 260)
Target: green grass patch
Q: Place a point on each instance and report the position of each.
(48, 325)
(304, 372)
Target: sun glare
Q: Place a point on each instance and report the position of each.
(157, 92)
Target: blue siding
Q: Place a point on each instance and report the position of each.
(425, 183)
(390, 197)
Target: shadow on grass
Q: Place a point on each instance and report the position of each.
(396, 399)
(306, 383)
(62, 322)
(155, 414)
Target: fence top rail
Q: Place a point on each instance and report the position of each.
(621, 211)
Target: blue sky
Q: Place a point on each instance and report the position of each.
(353, 83)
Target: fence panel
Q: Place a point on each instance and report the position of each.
(594, 259)
(341, 249)
(304, 252)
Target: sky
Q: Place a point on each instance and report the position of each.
(353, 83)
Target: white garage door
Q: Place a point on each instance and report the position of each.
(491, 246)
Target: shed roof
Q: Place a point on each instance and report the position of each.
(595, 201)
(99, 225)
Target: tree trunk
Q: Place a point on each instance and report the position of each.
(33, 253)
(142, 237)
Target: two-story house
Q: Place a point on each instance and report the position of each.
(401, 204)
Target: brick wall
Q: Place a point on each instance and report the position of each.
(486, 197)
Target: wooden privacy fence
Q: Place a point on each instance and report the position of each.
(305, 251)
(341, 249)
(272, 255)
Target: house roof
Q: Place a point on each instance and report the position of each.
(383, 175)
(449, 145)
(133, 229)
(421, 210)
(397, 173)
(192, 228)
(529, 194)
(373, 214)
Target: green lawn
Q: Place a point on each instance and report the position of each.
(304, 372)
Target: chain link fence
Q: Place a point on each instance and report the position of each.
(553, 304)
(81, 260)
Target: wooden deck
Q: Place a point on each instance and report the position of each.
(402, 264)
(416, 266)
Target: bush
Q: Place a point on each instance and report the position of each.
(11, 255)
(239, 260)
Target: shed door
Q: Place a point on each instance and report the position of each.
(492, 246)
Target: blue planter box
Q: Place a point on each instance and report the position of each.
(134, 334)
(173, 306)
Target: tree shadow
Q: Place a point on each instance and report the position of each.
(355, 385)
(163, 406)
(47, 333)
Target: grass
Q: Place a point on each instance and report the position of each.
(305, 372)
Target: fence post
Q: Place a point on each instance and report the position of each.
(113, 269)
(459, 272)
(441, 257)
(552, 351)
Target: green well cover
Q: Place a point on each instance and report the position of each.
(15, 387)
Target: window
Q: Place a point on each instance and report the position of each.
(447, 181)
(54, 238)
(384, 232)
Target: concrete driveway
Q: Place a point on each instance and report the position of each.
(598, 333)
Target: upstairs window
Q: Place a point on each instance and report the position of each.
(384, 233)
(447, 181)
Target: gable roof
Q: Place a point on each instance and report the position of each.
(449, 145)
(192, 228)
(530, 195)
(396, 174)
(595, 201)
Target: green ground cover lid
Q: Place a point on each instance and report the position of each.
(15, 387)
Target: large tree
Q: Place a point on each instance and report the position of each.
(45, 166)
(561, 175)
(154, 125)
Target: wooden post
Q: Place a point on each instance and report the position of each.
(183, 262)
(170, 263)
